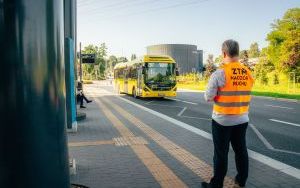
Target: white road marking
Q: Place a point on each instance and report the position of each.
(278, 99)
(165, 105)
(188, 102)
(190, 90)
(279, 106)
(267, 143)
(285, 122)
(191, 117)
(287, 169)
(149, 102)
(286, 151)
(277, 165)
(261, 137)
(181, 112)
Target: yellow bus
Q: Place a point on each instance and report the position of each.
(148, 76)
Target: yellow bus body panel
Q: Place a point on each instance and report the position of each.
(170, 93)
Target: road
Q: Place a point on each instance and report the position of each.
(274, 124)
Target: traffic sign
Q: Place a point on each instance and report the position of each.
(88, 58)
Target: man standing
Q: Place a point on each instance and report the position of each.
(229, 87)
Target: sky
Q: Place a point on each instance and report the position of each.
(128, 26)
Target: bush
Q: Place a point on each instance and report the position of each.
(273, 77)
(276, 79)
(263, 78)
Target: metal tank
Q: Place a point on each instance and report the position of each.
(188, 57)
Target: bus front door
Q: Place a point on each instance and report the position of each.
(139, 81)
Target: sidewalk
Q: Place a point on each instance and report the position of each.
(120, 145)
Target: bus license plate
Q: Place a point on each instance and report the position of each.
(161, 95)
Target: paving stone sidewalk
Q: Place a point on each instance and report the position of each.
(107, 158)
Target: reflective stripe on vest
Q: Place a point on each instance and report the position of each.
(234, 97)
(232, 104)
(233, 93)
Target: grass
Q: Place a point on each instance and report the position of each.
(201, 85)
(276, 91)
(276, 95)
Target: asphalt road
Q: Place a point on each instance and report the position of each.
(274, 128)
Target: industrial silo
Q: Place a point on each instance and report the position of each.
(188, 57)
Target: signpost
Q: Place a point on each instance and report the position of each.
(85, 58)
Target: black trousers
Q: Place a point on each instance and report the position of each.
(222, 136)
(80, 98)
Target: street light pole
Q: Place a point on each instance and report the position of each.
(80, 63)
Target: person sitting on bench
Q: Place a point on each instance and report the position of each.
(80, 96)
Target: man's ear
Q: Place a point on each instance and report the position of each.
(224, 55)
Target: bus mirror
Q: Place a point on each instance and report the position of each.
(177, 73)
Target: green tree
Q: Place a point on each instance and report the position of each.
(209, 66)
(245, 58)
(112, 61)
(122, 59)
(100, 52)
(284, 42)
(219, 59)
(254, 51)
(263, 67)
(242, 54)
(133, 57)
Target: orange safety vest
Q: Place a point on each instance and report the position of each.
(234, 97)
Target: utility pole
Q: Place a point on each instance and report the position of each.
(80, 63)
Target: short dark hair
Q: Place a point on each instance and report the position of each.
(231, 48)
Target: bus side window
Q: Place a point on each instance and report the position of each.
(116, 74)
(126, 71)
(130, 73)
(134, 73)
(121, 74)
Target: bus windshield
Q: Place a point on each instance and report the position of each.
(160, 73)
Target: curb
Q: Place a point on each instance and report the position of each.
(80, 116)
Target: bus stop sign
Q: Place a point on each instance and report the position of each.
(88, 58)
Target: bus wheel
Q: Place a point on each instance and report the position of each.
(134, 93)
